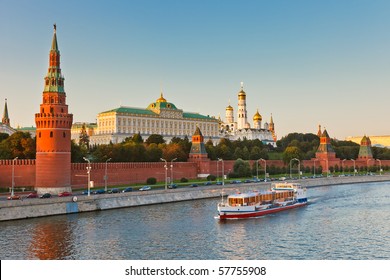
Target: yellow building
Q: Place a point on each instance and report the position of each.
(160, 117)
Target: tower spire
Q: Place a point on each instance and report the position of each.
(5, 119)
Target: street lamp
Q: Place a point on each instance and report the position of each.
(166, 172)
(380, 166)
(13, 176)
(105, 176)
(223, 172)
(314, 167)
(89, 175)
(265, 169)
(354, 167)
(342, 165)
(299, 168)
(172, 170)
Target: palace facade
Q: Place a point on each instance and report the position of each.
(160, 117)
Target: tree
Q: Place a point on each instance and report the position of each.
(241, 168)
(20, 144)
(290, 153)
(137, 138)
(155, 138)
(84, 137)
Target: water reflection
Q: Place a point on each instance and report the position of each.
(341, 222)
(51, 241)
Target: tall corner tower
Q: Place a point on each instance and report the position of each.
(53, 122)
(241, 110)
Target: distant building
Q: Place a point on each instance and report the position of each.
(5, 126)
(365, 151)
(160, 117)
(241, 128)
(376, 141)
(76, 130)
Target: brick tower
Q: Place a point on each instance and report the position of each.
(53, 124)
(325, 153)
(365, 151)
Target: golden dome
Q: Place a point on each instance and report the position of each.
(257, 116)
(242, 93)
(161, 99)
(229, 108)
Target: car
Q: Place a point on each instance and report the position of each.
(101, 191)
(145, 188)
(128, 189)
(207, 183)
(85, 192)
(45, 195)
(173, 186)
(64, 194)
(219, 183)
(194, 185)
(32, 195)
(247, 181)
(13, 197)
(114, 190)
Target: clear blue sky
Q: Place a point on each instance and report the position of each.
(306, 62)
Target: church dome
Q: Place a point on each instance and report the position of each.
(241, 93)
(161, 99)
(229, 108)
(257, 116)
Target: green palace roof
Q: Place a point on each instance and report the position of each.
(140, 111)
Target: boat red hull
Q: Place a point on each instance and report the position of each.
(260, 212)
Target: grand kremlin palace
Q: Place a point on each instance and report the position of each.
(160, 117)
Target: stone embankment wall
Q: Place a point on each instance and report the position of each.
(29, 208)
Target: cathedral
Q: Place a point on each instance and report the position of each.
(241, 128)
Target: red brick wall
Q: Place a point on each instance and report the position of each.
(130, 173)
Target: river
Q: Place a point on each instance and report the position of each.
(341, 222)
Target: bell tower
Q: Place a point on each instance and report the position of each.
(53, 124)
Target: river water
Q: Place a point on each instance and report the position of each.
(341, 222)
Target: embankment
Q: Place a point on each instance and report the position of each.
(31, 208)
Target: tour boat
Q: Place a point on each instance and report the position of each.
(282, 196)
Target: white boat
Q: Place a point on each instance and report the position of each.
(282, 196)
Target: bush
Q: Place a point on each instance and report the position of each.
(151, 181)
(211, 177)
(184, 180)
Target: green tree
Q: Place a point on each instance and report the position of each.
(155, 138)
(84, 137)
(290, 153)
(20, 144)
(241, 168)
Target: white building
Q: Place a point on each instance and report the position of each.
(242, 128)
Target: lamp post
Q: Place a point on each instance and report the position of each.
(342, 165)
(380, 166)
(105, 176)
(13, 176)
(172, 171)
(223, 172)
(89, 175)
(299, 168)
(314, 167)
(354, 167)
(166, 172)
(265, 169)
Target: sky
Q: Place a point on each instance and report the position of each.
(305, 62)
